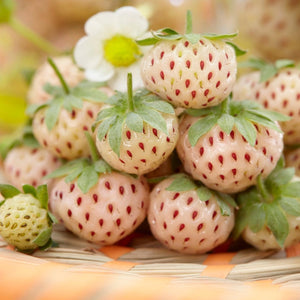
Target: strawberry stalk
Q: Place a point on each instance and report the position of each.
(130, 93)
(189, 23)
(59, 75)
(266, 197)
(94, 153)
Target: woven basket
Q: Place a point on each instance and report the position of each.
(152, 271)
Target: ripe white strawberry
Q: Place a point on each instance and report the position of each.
(292, 159)
(60, 125)
(27, 165)
(190, 70)
(279, 91)
(270, 27)
(45, 74)
(228, 147)
(24, 219)
(269, 213)
(188, 218)
(136, 133)
(100, 206)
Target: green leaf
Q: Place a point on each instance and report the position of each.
(168, 31)
(161, 106)
(43, 237)
(154, 119)
(271, 115)
(241, 222)
(277, 222)
(253, 63)
(226, 198)
(215, 36)
(292, 189)
(281, 177)
(42, 195)
(85, 84)
(53, 90)
(201, 127)
(88, 178)
(30, 141)
(52, 113)
(33, 108)
(28, 75)
(290, 205)
(115, 135)
(203, 193)
(52, 218)
(267, 72)
(134, 122)
(193, 38)
(29, 189)
(226, 122)
(216, 110)
(102, 167)
(93, 95)
(238, 51)
(224, 208)
(106, 113)
(181, 183)
(256, 217)
(284, 63)
(104, 127)
(246, 129)
(8, 191)
(67, 168)
(148, 41)
(70, 102)
(74, 175)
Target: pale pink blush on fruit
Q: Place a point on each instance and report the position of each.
(182, 222)
(280, 93)
(228, 163)
(67, 138)
(107, 213)
(25, 165)
(143, 152)
(190, 75)
(45, 74)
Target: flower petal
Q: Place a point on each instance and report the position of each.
(130, 22)
(103, 72)
(119, 81)
(88, 52)
(102, 24)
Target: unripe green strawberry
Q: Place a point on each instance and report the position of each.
(24, 219)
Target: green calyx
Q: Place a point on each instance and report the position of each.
(168, 34)
(132, 109)
(243, 115)
(267, 70)
(25, 137)
(86, 171)
(6, 10)
(269, 204)
(184, 183)
(43, 240)
(66, 97)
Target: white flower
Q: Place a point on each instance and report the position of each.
(109, 51)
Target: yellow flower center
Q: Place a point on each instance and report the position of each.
(121, 51)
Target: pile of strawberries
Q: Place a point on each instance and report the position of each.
(196, 152)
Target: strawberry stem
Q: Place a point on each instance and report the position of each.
(31, 36)
(129, 92)
(59, 75)
(225, 105)
(262, 189)
(189, 22)
(94, 152)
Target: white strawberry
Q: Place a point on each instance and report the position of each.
(269, 213)
(190, 70)
(188, 218)
(136, 133)
(97, 204)
(24, 218)
(270, 27)
(45, 74)
(228, 146)
(276, 87)
(27, 165)
(60, 124)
